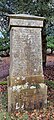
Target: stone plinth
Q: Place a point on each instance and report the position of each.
(25, 59)
(25, 97)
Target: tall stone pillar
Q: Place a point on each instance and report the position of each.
(26, 70)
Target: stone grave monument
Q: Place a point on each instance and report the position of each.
(26, 88)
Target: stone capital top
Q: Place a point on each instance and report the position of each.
(25, 16)
(25, 20)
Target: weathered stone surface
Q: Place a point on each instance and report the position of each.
(25, 46)
(26, 52)
(26, 20)
(27, 98)
(28, 23)
(26, 72)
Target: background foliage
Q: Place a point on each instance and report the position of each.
(35, 7)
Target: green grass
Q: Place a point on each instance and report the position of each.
(4, 116)
(50, 83)
(3, 82)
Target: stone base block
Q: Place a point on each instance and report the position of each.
(13, 81)
(27, 97)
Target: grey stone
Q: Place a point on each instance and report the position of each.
(26, 62)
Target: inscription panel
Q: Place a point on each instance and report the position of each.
(26, 57)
